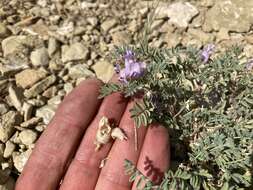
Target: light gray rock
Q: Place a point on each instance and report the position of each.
(16, 97)
(27, 110)
(28, 137)
(66, 29)
(79, 71)
(9, 120)
(36, 102)
(40, 86)
(39, 57)
(6, 165)
(181, 13)
(108, 24)
(40, 128)
(87, 5)
(31, 122)
(93, 21)
(76, 51)
(104, 70)
(28, 77)
(46, 112)
(9, 149)
(53, 46)
(21, 159)
(13, 44)
(234, 15)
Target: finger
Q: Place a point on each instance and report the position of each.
(155, 155)
(59, 141)
(84, 169)
(112, 176)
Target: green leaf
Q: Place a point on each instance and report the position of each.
(108, 89)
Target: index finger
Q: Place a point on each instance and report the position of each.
(58, 143)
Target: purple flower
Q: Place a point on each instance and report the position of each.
(206, 52)
(249, 65)
(133, 69)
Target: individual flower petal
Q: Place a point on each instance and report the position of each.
(129, 54)
(207, 52)
(137, 69)
(122, 76)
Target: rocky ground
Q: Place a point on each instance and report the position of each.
(49, 46)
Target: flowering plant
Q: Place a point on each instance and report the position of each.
(204, 100)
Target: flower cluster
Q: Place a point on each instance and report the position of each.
(133, 69)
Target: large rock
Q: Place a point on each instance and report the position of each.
(104, 70)
(234, 15)
(76, 51)
(181, 13)
(13, 44)
(79, 71)
(9, 120)
(39, 57)
(28, 77)
(40, 86)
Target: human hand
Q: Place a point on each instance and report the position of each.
(65, 153)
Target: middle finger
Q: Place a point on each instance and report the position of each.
(113, 176)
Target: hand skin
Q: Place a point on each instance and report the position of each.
(64, 156)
